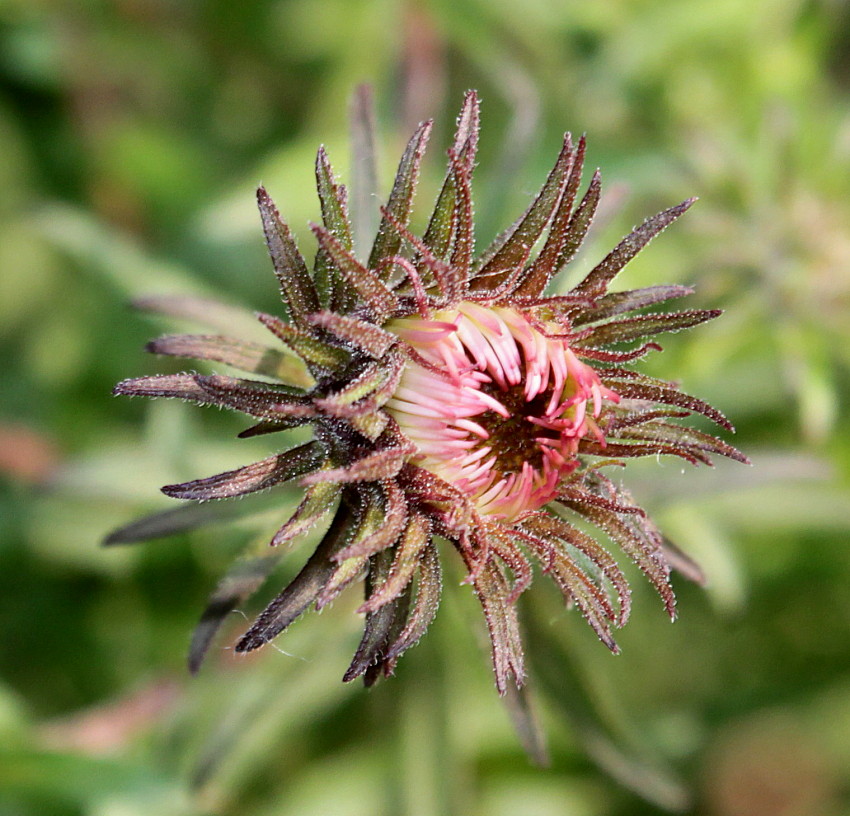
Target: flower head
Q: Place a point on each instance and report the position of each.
(448, 397)
(495, 406)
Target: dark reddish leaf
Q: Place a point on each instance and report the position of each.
(367, 336)
(492, 591)
(314, 352)
(615, 303)
(387, 242)
(181, 386)
(407, 551)
(425, 607)
(372, 291)
(250, 357)
(603, 273)
(281, 467)
(382, 626)
(296, 286)
(301, 592)
(243, 578)
(640, 326)
(511, 249)
(537, 276)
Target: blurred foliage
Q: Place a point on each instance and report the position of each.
(132, 135)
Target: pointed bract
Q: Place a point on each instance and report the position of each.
(296, 286)
(512, 249)
(400, 203)
(604, 272)
(282, 467)
(300, 592)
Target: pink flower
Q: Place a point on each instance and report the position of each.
(495, 406)
(448, 396)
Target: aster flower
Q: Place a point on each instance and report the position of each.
(449, 398)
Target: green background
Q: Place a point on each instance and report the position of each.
(132, 136)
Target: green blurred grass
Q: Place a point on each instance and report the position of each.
(132, 135)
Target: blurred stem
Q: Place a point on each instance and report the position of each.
(521, 709)
(252, 719)
(610, 740)
(423, 750)
(364, 170)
